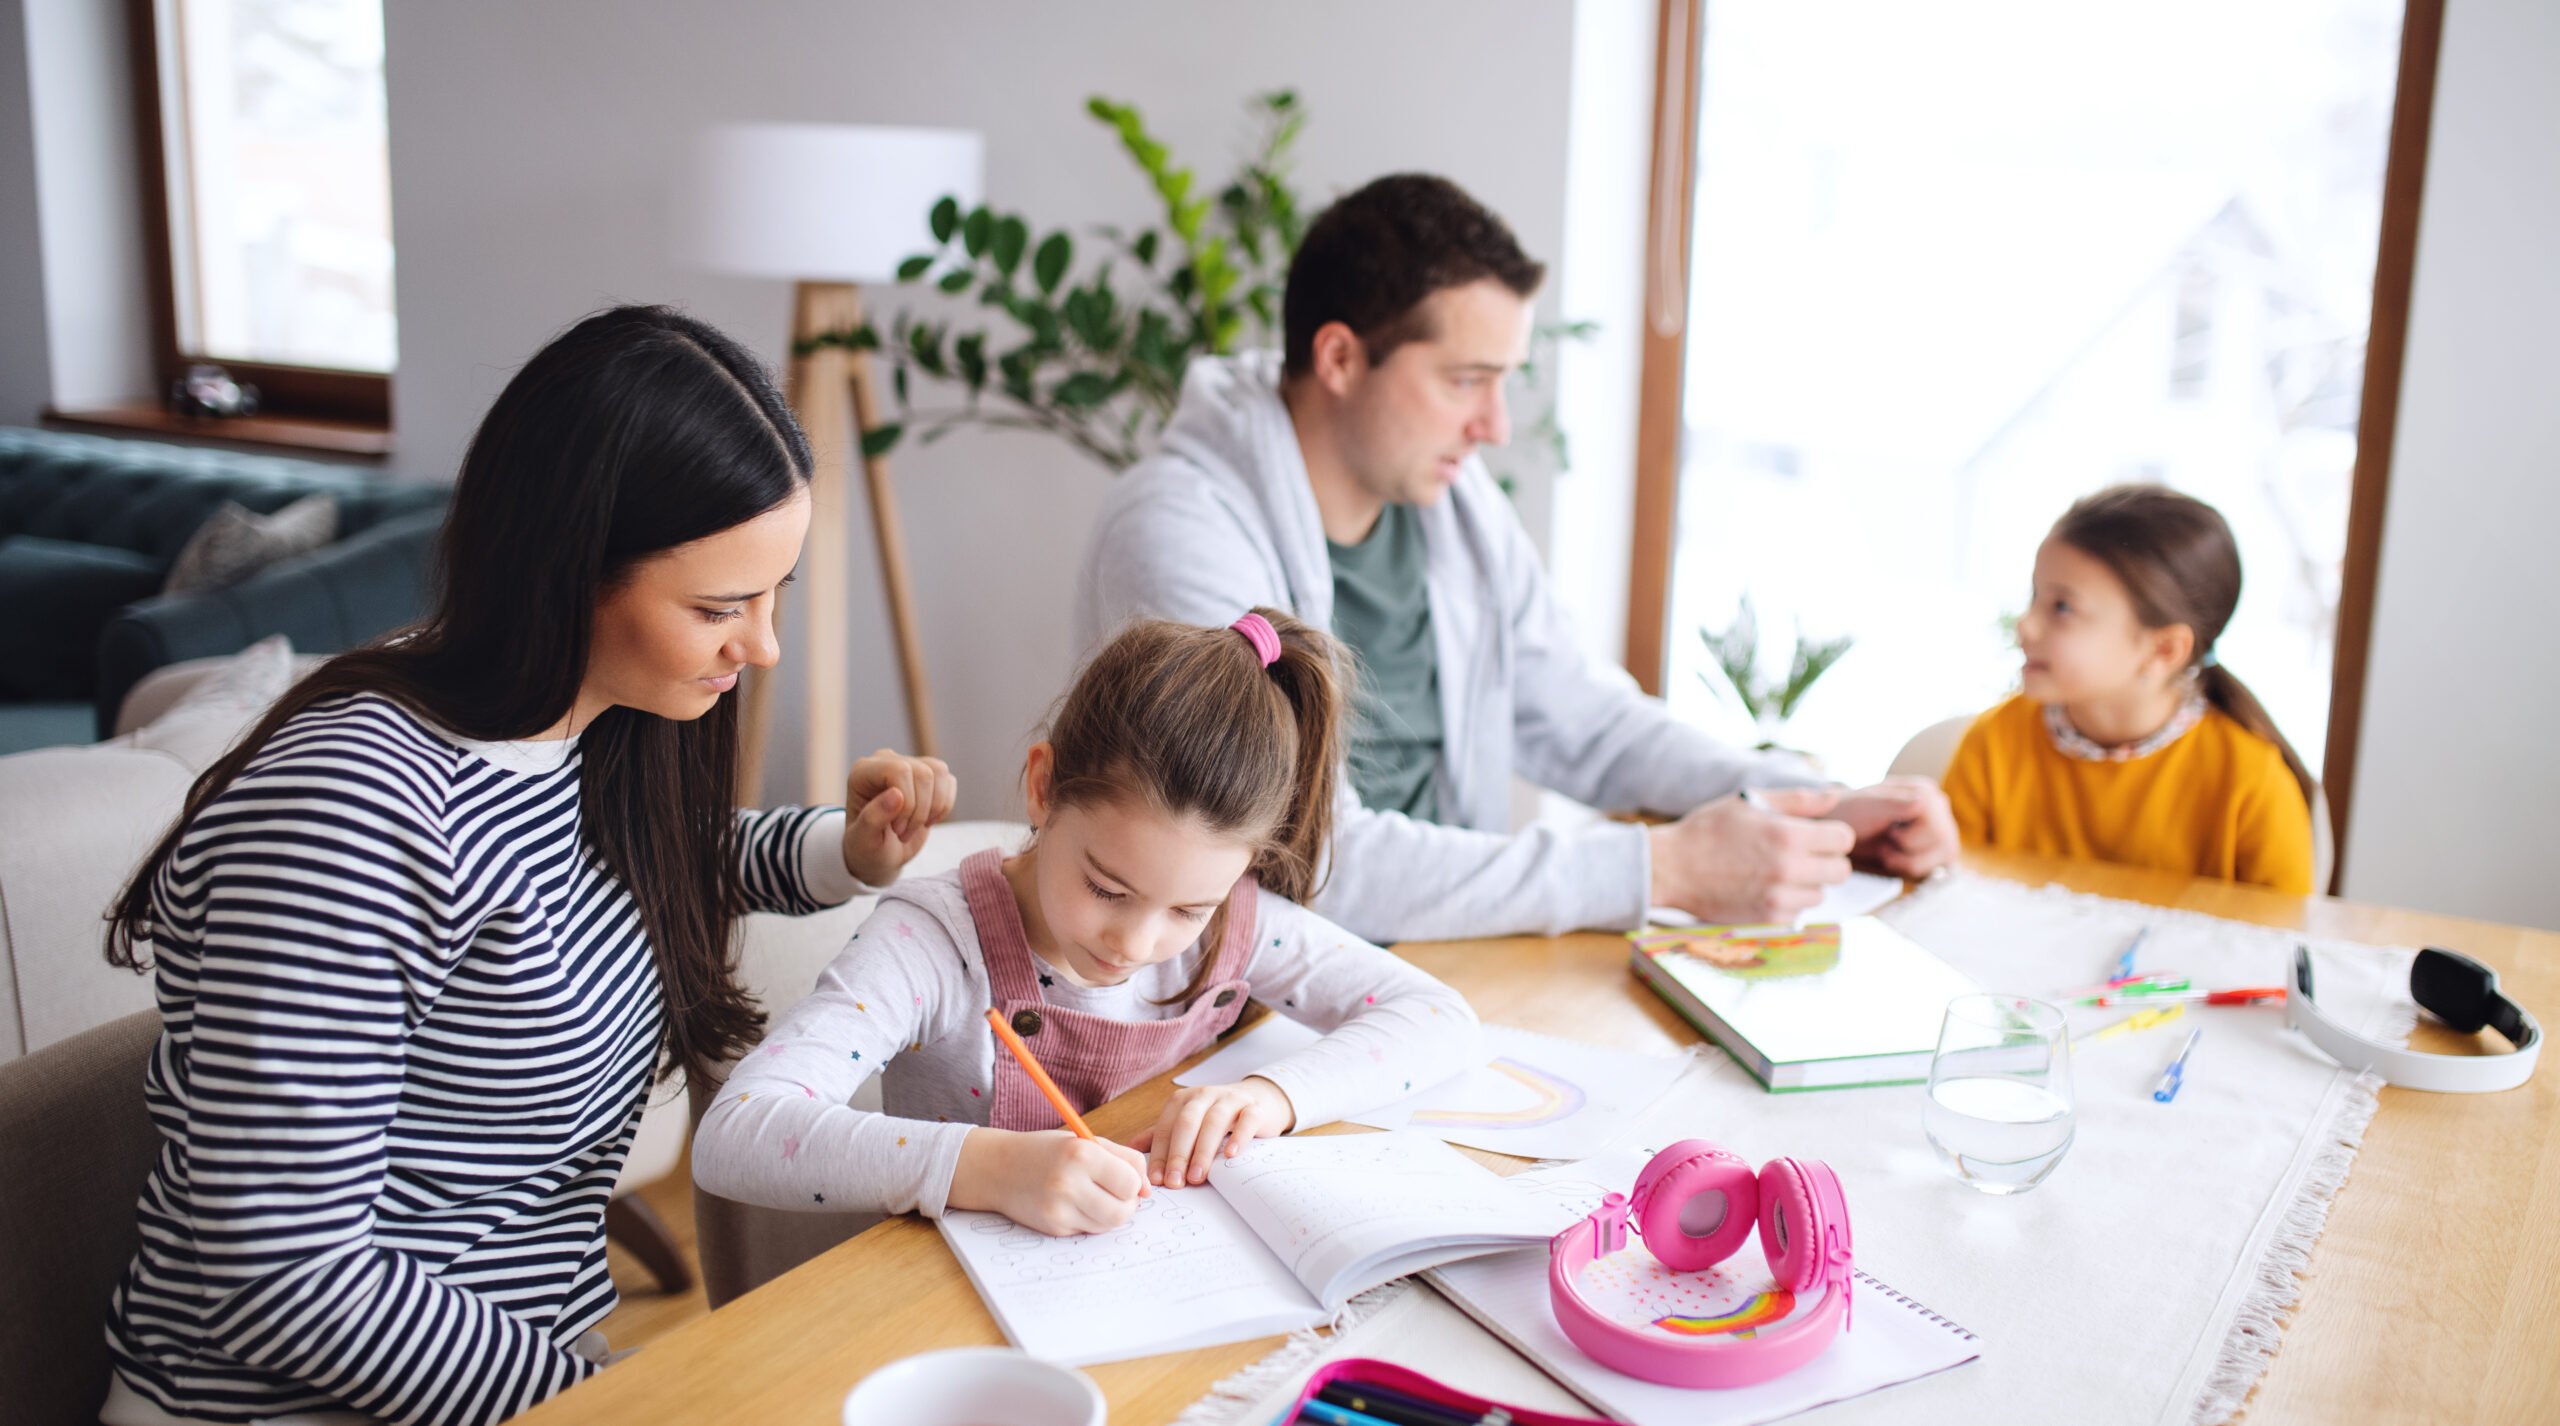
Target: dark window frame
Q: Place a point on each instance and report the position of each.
(1671, 204)
(343, 397)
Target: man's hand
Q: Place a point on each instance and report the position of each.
(1903, 825)
(890, 802)
(1731, 861)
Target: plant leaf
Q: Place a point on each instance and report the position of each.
(915, 267)
(1049, 264)
(1082, 391)
(945, 219)
(956, 281)
(976, 230)
(1012, 235)
(880, 440)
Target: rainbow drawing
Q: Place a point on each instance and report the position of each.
(1552, 1099)
(1763, 1309)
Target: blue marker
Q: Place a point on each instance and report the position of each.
(1332, 1415)
(2176, 1074)
(2124, 963)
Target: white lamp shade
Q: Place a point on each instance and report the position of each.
(819, 202)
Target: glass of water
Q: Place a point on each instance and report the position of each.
(2000, 1107)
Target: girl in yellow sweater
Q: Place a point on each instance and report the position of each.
(2130, 742)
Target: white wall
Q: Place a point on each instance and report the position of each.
(530, 143)
(2457, 791)
(1608, 173)
(97, 327)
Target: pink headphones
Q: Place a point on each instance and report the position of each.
(1693, 1205)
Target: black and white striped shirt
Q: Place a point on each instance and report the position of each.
(409, 1022)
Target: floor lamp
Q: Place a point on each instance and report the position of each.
(828, 207)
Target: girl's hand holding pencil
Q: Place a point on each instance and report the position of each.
(1051, 1181)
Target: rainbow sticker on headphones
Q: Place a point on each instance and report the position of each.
(1763, 1309)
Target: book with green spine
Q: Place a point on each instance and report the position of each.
(1821, 1007)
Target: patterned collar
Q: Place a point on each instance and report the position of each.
(2072, 743)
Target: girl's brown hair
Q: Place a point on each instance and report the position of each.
(1187, 720)
(2176, 558)
(636, 431)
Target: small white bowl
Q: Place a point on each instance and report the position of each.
(974, 1386)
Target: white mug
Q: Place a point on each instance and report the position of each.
(974, 1386)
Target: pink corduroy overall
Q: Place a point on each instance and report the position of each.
(1092, 1057)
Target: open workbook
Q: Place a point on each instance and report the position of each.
(1282, 1235)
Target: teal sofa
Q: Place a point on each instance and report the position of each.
(89, 526)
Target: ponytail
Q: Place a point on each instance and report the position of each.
(1309, 674)
(2225, 691)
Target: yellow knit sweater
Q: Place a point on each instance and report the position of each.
(2217, 801)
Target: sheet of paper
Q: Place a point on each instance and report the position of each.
(1184, 1272)
(1862, 893)
(1538, 1097)
(1346, 1212)
(1276, 1038)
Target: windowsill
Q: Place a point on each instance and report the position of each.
(305, 434)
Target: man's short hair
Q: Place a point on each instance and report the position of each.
(1370, 260)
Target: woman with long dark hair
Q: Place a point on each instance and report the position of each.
(424, 938)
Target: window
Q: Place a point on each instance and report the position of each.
(267, 176)
(1955, 265)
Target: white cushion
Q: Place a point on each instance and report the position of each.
(75, 823)
(215, 709)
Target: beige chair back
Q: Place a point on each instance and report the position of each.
(75, 1147)
(1931, 749)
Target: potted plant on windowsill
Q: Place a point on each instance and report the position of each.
(1768, 701)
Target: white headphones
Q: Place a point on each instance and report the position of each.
(2455, 989)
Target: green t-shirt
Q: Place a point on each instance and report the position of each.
(1382, 609)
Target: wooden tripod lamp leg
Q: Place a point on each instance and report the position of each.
(817, 394)
(819, 383)
(893, 561)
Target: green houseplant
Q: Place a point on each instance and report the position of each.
(1768, 701)
(1093, 352)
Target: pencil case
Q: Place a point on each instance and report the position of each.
(1408, 1384)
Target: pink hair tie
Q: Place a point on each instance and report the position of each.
(1258, 632)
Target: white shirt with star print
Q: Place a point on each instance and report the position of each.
(907, 999)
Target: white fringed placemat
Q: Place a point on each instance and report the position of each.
(2145, 1282)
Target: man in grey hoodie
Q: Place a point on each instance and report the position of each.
(1338, 479)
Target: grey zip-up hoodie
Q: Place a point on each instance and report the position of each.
(1222, 518)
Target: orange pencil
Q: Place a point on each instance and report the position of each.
(1038, 1075)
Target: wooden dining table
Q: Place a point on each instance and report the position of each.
(2455, 1188)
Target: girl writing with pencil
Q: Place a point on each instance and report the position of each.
(2130, 742)
(1180, 807)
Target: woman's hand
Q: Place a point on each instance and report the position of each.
(1050, 1182)
(890, 802)
(1199, 1119)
